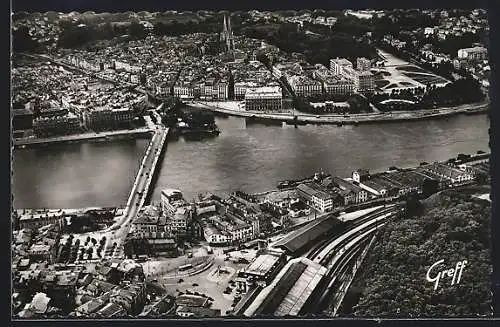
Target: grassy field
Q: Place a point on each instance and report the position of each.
(392, 86)
(411, 69)
(381, 83)
(381, 72)
(425, 79)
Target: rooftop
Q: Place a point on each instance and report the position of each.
(298, 239)
(345, 185)
(199, 312)
(258, 92)
(111, 310)
(313, 189)
(341, 61)
(40, 303)
(262, 264)
(302, 289)
(21, 111)
(290, 289)
(475, 49)
(191, 300)
(168, 192)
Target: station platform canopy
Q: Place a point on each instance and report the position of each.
(299, 239)
(289, 291)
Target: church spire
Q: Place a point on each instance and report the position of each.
(227, 33)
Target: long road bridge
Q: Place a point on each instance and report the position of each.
(140, 188)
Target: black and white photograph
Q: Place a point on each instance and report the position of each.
(251, 164)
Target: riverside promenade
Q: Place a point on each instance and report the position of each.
(35, 141)
(232, 108)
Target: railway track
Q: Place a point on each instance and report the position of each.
(316, 249)
(370, 220)
(339, 254)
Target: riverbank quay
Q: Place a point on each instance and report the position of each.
(96, 137)
(351, 119)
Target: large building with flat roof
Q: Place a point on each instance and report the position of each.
(264, 98)
(105, 118)
(305, 86)
(56, 125)
(265, 266)
(170, 200)
(478, 53)
(316, 196)
(338, 65)
(364, 82)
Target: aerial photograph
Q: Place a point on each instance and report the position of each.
(250, 164)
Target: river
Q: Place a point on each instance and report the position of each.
(251, 158)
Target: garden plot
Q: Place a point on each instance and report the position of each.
(400, 74)
(390, 78)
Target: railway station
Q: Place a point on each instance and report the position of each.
(299, 241)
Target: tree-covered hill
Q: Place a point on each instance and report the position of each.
(453, 226)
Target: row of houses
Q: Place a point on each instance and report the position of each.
(226, 229)
(56, 125)
(361, 187)
(330, 193)
(248, 76)
(340, 79)
(457, 26)
(238, 220)
(235, 221)
(97, 119)
(215, 88)
(36, 218)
